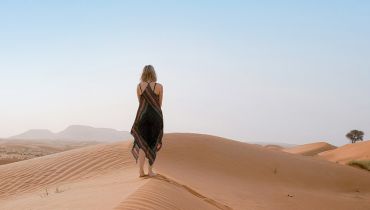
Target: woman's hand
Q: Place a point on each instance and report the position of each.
(159, 146)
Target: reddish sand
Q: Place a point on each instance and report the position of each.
(194, 172)
(348, 152)
(310, 149)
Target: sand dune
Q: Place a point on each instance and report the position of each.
(280, 144)
(13, 150)
(310, 149)
(195, 172)
(273, 147)
(348, 152)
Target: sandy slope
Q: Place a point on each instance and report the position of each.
(93, 177)
(13, 150)
(195, 172)
(343, 154)
(310, 149)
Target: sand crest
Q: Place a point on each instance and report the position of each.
(310, 149)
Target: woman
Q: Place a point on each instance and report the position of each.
(148, 126)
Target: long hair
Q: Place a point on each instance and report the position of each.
(148, 74)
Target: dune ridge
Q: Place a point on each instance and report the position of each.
(273, 147)
(310, 149)
(165, 193)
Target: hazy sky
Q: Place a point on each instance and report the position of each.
(246, 70)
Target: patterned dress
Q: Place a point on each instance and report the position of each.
(147, 129)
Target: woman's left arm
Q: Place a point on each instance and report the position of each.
(161, 96)
(138, 92)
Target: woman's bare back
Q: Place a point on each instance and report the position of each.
(155, 86)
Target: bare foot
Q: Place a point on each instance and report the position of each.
(151, 173)
(142, 174)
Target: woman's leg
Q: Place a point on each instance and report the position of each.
(141, 162)
(150, 170)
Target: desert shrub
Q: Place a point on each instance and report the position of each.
(364, 164)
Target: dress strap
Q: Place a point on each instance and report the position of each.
(154, 87)
(140, 88)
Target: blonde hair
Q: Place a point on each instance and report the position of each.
(148, 74)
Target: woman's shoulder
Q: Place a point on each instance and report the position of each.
(143, 83)
(159, 85)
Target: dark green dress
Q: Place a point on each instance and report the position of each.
(148, 125)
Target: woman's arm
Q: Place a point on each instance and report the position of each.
(138, 92)
(161, 96)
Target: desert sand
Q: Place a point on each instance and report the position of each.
(348, 152)
(13, 150)
(195, 171)
(310, 149)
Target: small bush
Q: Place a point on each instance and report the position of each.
(364, 164)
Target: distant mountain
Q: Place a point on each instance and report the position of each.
(78, 133)
(285, 145)
(36, 134)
